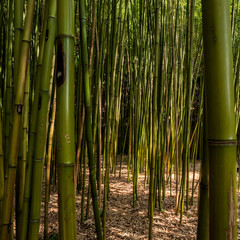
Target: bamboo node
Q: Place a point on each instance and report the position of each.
(12, 166)
(212, 142)
(65, 164)
(202, 185)
(37, 159)
(18, 28)
(64, 35)
(35, 220)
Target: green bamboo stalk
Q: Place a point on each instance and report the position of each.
(190, 75)
(22, 159)
(8, 76)
(1, 167)
(65, 134)
(130, 112)
(94, 9)
(34, 47)
(81, 119)
(154, 119)
(32, 133)
(107, 150)
(88, 199)
(84, 155)
(118, 85)
(99, 175)
(220, 119)
(17, 117)
(115, 80)
(88, 121)
(98, 82)
(48, 164)
(18, 32)
(203, 201)
(79, 144)
(1, 44)
(175, 115)
(186, 132)
(42, 124)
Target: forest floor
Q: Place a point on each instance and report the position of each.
(126, 222)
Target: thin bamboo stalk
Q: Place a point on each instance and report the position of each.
(17, 117)
(203, 206)
(154, 119)
(32, 133)
(88, 121)
(48, 165)
(42, 124)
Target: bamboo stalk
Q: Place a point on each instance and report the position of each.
(48, 164)
(88, 122)
(42, 124)
(32, 133)
(220, 120)
(65, 135)
(17, 117)
(154, 120)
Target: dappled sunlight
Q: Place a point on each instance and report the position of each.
(126, 222)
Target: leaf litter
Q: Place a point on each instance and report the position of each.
(126, 222)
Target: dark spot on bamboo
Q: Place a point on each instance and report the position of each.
(9, 228)
(46, 37)
(61, 64)
(19, 109)
(39, 102)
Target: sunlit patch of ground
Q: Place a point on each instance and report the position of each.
(126, 222)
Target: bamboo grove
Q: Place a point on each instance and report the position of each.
(90, 86)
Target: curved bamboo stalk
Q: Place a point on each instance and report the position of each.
(88, 121)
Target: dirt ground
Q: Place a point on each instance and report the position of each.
(126, 222)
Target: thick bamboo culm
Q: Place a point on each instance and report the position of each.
(65, 135)
(221, 133)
